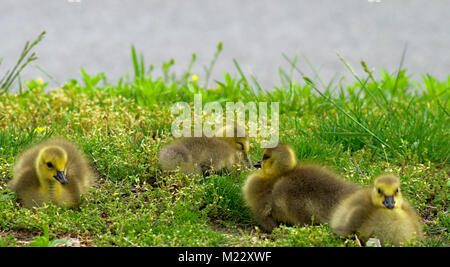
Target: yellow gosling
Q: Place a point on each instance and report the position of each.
(205, 155)
(379, 212)
(284, 191)
(54, 171)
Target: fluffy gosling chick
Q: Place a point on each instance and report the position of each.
(378, 212)
(284, 191)
(53, 171)
(203, 155)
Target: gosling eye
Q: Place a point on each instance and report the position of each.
(396, 191)
(49, 164)
(265, 156)
(241, 146)
(379, 191)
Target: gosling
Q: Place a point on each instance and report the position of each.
(205, 155)
(54, 171)
(379, 212)
(284, 191)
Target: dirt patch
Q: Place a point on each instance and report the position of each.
(25, 237)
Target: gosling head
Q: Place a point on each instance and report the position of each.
(277, 160)
(386, 192)
(240, 143)
(51, 165)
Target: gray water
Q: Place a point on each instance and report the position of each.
(97, 35)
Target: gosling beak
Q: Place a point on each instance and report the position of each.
(257, 165)
(61, 177)
(389, 202)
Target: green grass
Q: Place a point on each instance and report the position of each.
(374, 125)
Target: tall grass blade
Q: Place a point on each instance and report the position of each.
(211, 65)
(312, 84)
(11, 75)
(363, 84)
(236, 64)
(402, 60)
(137, 72)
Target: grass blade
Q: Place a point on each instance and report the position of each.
(312, 84)
(11, 75)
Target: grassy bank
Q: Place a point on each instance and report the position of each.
(361, 129)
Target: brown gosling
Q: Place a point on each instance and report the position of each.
(379, 212)
(205, 155)
(284, 191)
(54, 171)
